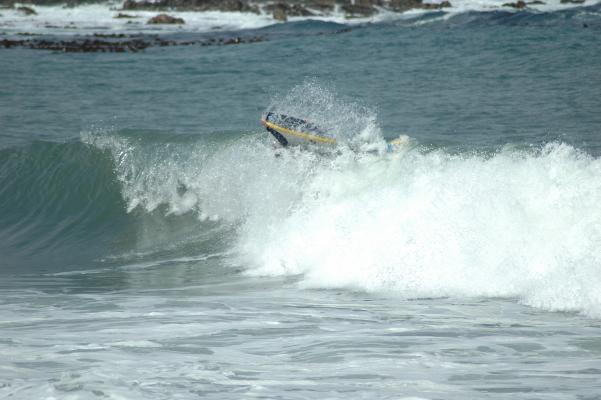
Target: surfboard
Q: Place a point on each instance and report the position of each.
(288, 130)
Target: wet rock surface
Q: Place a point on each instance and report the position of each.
(280, 9)
(436, 6)
(279, 13)
(406, 5)
(26, 10)
(519, 4)
(165, 19)
(358, 10)
(125, 16)
(124, 43)
(117, 43)
(190, 5)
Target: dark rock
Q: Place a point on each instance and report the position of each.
(572, 1)
(27, 10)
(535, 2)
(436, 6)
(321, 5)
(299, 10)
(358, 10)
(352, 8)
(231, 5)
(190, 5)
(121, 15)
(404, 5)
(519, 4)
(129, 5)
(118, 43)
(279, 12)
(138, 5)
(165, 19)
(110, 35)
(68, 3)
(235, 40)
(11, 43)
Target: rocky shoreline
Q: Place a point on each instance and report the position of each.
(130, 43)
(279, 9)
(119, 43)
(134, 42)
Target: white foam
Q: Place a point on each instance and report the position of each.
(100, 18)
(491, 5)
(414, 223)
(136, 343)
(417, 224)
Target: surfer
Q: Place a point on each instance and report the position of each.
(288, 130)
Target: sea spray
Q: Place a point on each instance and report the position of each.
(349, 122)
(418, 222)
(430, 224)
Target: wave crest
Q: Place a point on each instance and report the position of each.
(430, 224)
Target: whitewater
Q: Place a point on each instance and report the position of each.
(103, 17)
(519, 224)
(157, 243)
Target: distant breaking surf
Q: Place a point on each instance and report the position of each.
(111, 17)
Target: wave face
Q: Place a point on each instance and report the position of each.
(419, 222)
(59, 202)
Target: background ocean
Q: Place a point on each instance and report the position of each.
(153, 246)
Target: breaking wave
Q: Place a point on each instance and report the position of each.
(522, 224)
(429, 224)
(418, 222)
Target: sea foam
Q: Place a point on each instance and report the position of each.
(515, 224)
(523, 224)
(101, 17)
(520, 223)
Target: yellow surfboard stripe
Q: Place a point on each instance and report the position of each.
(302, 135)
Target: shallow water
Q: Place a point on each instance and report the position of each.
(155, 244)
(143, 333)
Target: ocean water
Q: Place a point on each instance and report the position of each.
(155, 243)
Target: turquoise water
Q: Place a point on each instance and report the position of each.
(154, 246)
